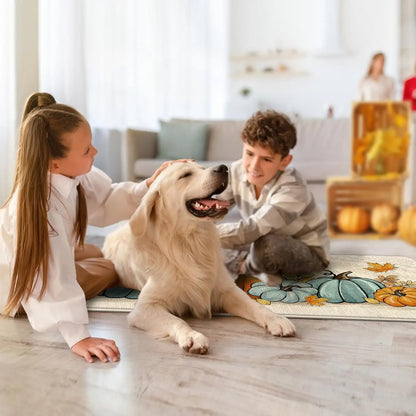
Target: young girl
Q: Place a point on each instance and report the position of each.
(45, 218)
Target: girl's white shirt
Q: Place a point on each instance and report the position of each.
(63, 305)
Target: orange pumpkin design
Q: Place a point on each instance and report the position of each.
(245, 281)
(397, 296)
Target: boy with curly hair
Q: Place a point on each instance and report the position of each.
(282, 232)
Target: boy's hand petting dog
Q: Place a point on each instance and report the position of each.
(101, 348)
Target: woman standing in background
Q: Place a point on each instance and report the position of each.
(376, 86)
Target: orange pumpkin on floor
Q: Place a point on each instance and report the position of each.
(397, 296)
(407, 225)
(351, 219)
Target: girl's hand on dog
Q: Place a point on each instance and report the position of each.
(101, 348)
(162, 167)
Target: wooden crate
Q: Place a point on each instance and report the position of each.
(365, 194)
(380, 137)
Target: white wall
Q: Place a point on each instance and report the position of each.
(365, 27)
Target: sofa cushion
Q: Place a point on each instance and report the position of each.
(182, 140)
(224, 138)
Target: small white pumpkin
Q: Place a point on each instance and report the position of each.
(384, 218)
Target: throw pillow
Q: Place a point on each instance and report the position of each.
(178, 140)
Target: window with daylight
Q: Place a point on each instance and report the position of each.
(131, 66)
(7, 103)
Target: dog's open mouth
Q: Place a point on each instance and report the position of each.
(207, 207)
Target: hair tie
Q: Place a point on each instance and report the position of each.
(44, 100)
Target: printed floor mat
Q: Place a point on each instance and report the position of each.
(352, 287)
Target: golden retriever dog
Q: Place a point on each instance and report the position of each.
(171, 252)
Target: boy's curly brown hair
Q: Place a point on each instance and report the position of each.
(270, 129)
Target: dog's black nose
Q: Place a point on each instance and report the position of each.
(221, 169)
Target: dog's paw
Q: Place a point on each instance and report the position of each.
(280, 326)
(194, 342)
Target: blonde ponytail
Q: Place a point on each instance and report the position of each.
(36, 101)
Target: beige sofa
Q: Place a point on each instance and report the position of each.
(323, 149)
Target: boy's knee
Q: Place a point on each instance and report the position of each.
(275, 254)
(266, 252)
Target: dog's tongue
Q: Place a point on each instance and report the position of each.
(211, 202)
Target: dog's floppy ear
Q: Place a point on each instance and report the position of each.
(140, 219)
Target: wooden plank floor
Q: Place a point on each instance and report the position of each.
(331, 367)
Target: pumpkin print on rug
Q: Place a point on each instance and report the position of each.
(335, 288)
(289, 291)
(397, 296)
(352, 287)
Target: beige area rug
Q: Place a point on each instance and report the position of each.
(352, 287)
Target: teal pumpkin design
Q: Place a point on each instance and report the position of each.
(120, 292)
(344, 288)
(289, 291)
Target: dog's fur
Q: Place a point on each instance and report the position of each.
(170, 251)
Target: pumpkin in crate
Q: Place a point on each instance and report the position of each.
(407, 225)
(344, 288)
(289, 291)
(353, 219)
(397, 296)
(384, 218)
